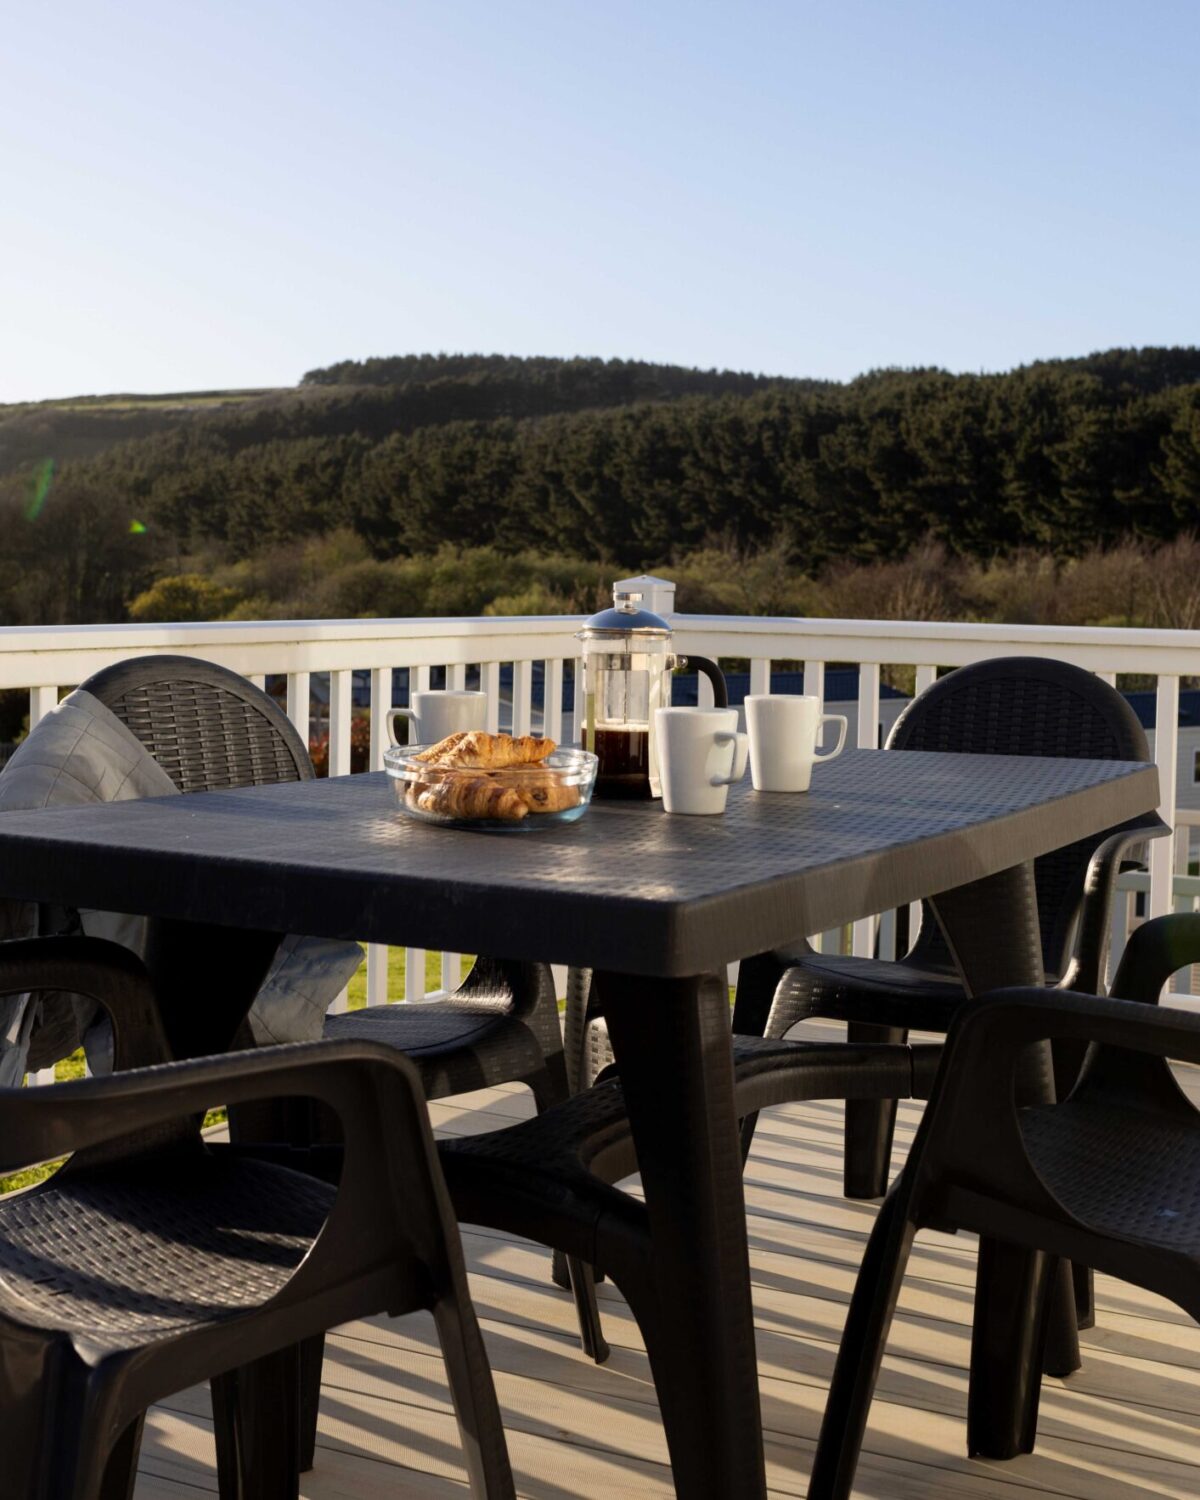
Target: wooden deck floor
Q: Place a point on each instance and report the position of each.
(1128, 1424)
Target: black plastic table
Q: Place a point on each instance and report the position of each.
(652, 903)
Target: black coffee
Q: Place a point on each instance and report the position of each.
(624, 769)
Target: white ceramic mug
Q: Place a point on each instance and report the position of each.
(784, 730)
(435, 713)
(700, 756)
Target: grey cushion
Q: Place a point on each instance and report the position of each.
(81, 753)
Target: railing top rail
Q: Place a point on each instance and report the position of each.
(67, 653)
(23, 638)
(939, 630)
(64, 654)
(940, 642)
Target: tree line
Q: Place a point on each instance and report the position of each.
(616, 463)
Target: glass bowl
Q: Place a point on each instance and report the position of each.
(516, 799)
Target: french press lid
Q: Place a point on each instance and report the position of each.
(625, 617)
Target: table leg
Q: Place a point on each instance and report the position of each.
(207, 978)
(672, 1041)
(992, 929)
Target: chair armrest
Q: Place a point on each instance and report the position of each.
(1153, 953)
(37, 1124)
(389, 1164)
(990, 1033)
(971, 1138)
(102, 971)
(1091, 943)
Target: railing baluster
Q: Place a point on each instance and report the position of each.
(814, 687)
(489, 678)
(259, 680)
(1166, 755)
(451, 971)
(926, 676)
(760, 674)
(377, 974)
(863, 941)
(814, 680)
(340, 710)
(1119, 927)
(456, 676)
(298, 709)
(552, 709)
(414, 973)
(381, 701)
(522, 704)
(41, 701)
(577, 712)
(868, 705)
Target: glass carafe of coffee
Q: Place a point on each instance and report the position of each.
(627, 666)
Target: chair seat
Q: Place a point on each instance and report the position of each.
(549, 1178)
(456, 1048)
(125, 1257)
(1127, 1172)
(875, 990)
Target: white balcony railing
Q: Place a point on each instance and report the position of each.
(47, 660)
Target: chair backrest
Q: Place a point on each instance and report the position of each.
(206, 726)
(1026, 705)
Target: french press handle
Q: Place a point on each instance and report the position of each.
(714, 675)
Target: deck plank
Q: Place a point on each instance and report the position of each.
(1125, 1426)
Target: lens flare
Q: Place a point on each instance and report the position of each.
(43, 478)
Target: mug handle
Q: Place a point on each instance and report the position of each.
(841, 744)
(709, 669)
(741, 754)
(392, 715)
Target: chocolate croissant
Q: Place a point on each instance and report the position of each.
(471, 797)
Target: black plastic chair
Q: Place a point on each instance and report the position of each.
(1109, 1178)
(1012, 706)
(208, 727)
(1007, 706)
(151, 1260)
(552, 1179)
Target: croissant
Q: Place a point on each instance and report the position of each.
(547, 795)
(443, 747)
(471, 797)
(479, 750)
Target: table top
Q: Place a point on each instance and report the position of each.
(628, 887)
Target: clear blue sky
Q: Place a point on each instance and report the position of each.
(227, 194)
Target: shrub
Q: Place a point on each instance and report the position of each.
(360, 746)
(184, 596)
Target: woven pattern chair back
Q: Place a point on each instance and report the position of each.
(206, 726)
(1026, 705)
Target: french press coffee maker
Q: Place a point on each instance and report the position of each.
(627, 666)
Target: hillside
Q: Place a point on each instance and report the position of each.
(374, 397)
(83, 426)
(421, 456)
